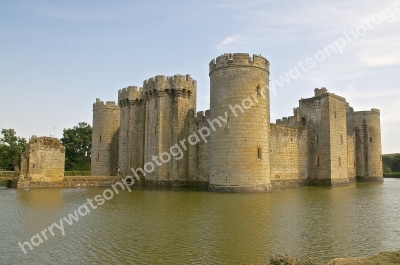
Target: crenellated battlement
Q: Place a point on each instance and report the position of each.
(182, 85)
(365, 112)
(161, 83)
(202, 116)
(130, 94)
(321, 93)
(290, 121)
(99, 104)
(239, 59)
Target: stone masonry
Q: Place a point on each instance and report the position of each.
(156, 134)
(42, 163)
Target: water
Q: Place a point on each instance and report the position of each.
(197, 227)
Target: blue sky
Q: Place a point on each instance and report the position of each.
(57, 57)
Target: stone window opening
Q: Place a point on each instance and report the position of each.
(100, 138)
(341, 139)
(370, 139)
(98, 156)
(317, 162)
(258, 90)
(317, 139)
(303, 121)
(340, 161)
(259, 153)
(335, 114)
(228, 122)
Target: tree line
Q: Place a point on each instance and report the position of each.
(77, 142)
(391, 163)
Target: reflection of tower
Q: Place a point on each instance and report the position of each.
(104, 158)
(368, 145)
(240, 152)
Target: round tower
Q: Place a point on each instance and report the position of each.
(104, 157)
(239, 123)
(368, 144)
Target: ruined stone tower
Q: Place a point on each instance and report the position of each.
(240, 152)
(368, 146)
(106, 123)
(43, 162)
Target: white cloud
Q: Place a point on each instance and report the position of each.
(381, 51)
(228, 41)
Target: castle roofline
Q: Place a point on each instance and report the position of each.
(364, 112)
(159, 83)
(323, 92)
(227, 60)
(99, 104)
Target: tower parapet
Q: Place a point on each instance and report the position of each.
(129, 95)
(108, 105)
(239, 59)
(181, 85)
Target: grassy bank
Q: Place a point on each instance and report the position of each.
(391, 175)
(384, 258)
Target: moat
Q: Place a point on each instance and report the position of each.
(186, 226)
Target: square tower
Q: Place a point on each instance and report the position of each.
(325, 118)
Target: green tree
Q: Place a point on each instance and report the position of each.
(11, 148)
(396, 163)
(78, 143)
(387, 163)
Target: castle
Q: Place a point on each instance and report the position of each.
(156, 134)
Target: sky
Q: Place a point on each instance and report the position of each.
(57, 57)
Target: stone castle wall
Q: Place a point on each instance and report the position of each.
(351, 155)
(289, 152)
(199, 154)
(324, 143)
